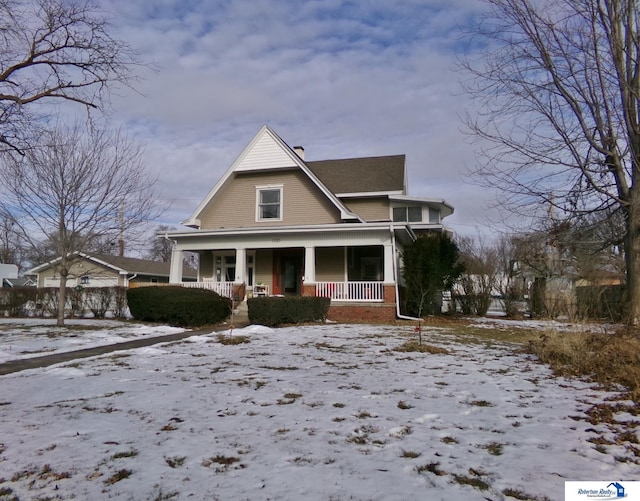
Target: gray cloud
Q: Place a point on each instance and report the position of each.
(341, 78)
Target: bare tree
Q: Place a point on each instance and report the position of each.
(54, 50)
(47, 249)
(511, 282)
(479, 280)
(160, 248)
(11, 248)
(558, 88)
(80, 185)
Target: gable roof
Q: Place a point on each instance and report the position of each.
(123, 265)
(139, 266)
(17, 282)
(267, 151)
(362, 175)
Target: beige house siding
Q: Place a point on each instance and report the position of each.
(78, 270)
(369, 209)
(263, 267)
(234, 206)
(330, 264)
(206, 264)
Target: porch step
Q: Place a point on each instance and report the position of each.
(241, 315)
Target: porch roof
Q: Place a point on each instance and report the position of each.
(282, 236)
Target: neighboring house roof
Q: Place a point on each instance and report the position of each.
(18, 282)
(362, 175)
(143, 266)
(123, 265)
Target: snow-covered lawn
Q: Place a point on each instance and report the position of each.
(34, 337)
(301, 413)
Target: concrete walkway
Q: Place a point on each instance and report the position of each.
(57, 358)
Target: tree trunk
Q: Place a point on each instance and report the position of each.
(62, 296)
(632, 260)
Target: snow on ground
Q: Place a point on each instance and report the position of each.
(316, 412)
(34, 337)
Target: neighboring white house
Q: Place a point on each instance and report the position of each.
(105, 271)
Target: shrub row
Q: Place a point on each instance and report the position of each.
(272, 311)
(601, 302)
(179, 306)
(24, 301)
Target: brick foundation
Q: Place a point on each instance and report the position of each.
(361, 312)
(374, 313)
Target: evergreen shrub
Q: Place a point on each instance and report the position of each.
(179, 306)
(272, 311)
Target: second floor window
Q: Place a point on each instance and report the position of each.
(410, 214)
(270, 204)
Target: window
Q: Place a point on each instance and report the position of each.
(414, 214)
(84, 280)
(365, 263)
(229, 268)
(410, 214)
(434, 216)
(250, 270)
(269, 201)
(399, 214)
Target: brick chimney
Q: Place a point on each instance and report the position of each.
(299, 151)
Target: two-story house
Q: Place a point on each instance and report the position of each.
(281, 225)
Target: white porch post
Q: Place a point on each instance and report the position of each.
(309, 265)
(175, 273)
(241, 265)
(388, 264)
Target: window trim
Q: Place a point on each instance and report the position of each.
(269, 187)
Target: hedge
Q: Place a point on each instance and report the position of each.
(179, 306)
(272, 311)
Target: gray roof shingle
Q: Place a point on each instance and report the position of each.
(361, 175)
(141, 266)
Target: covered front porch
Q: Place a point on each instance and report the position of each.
(346, 266)
(340, 273)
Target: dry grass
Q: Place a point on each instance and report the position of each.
(611, 360)
(232, 340)
(415, 346)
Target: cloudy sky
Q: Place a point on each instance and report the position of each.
(341, 78)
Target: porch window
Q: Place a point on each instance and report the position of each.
(250, 270)
(229, 268)
(225, 268)
(407, 214)
(269, 203)
(365, 263)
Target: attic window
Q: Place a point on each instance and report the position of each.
(269, 203)
(410, 214)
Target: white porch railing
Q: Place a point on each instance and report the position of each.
(351, 291)
(223, 288)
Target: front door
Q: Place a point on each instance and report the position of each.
(287, 271)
